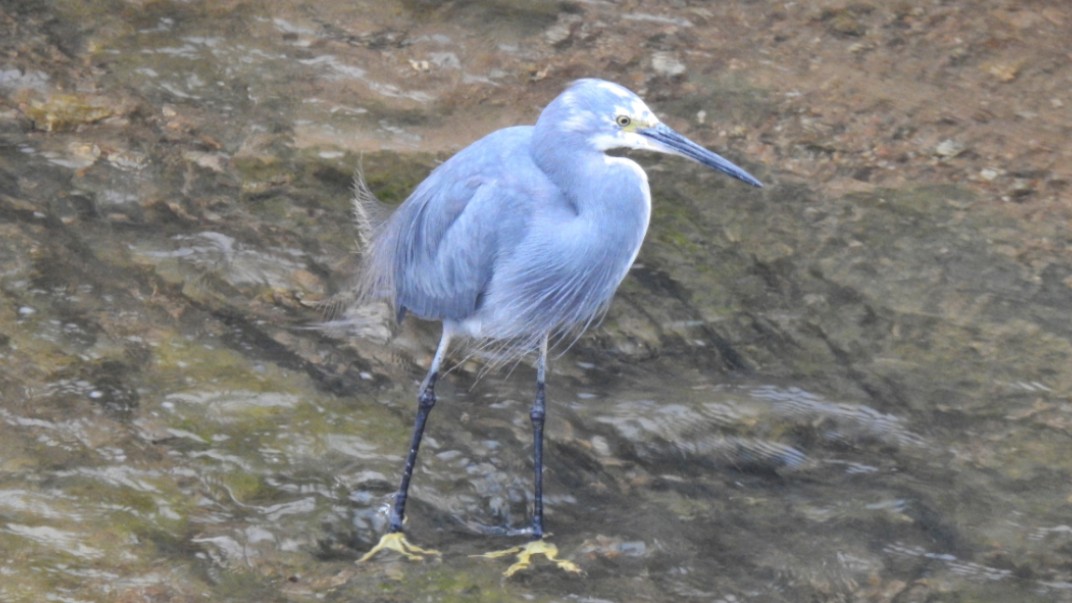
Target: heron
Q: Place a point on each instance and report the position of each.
(519, 240)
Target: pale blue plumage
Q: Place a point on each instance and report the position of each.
(525, 234)
(528, 231)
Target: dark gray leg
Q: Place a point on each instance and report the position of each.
(425, 401)
(537, 546)
(539, 411)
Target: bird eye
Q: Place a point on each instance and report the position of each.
(623, 120)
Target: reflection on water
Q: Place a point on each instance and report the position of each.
(703, 432)
(214, 254)
(788, 401)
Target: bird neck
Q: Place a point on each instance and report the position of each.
(580, 171)
(609, 194)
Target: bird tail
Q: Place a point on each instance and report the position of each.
(369, 212)
(375, 240)
(346, 310)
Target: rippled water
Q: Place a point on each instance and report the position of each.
(861, 398)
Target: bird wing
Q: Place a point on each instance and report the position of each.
(444, 241)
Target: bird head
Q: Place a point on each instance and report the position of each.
(608, 116)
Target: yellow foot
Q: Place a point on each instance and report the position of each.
(396, 541)
(524, 554)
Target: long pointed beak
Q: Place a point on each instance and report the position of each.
(665, 139)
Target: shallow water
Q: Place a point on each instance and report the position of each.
(794, 397)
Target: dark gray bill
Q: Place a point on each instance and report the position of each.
(669, 141)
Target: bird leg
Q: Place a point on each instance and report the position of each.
(426, 399)
(394, 539)
(539, 411)
(538, 545)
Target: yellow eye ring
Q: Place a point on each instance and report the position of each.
(623, 121)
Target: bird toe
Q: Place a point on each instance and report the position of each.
(397, 542)
(524, 554)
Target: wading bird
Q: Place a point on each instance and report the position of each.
(518, 239)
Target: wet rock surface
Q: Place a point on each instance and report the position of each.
(853, 385)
